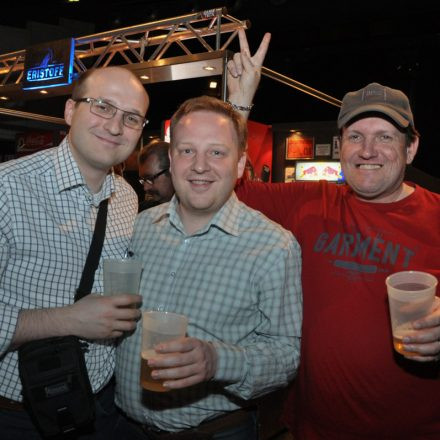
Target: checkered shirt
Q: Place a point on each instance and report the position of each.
(47, 219)
(239, 282)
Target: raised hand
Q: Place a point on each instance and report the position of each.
(244, 70)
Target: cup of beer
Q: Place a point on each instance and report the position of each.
(411, 296)
(158, 327)
(122, 276)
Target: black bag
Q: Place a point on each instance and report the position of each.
(56, 387)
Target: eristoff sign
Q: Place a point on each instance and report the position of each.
(49, 64)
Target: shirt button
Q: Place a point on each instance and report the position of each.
(172, 274)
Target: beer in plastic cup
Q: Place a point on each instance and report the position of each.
(158, 327)
(411, 296)
(121, 276)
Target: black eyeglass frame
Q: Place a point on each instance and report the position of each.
(125, 113)
(150, 180)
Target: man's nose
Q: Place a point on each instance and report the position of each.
(200, 163)
(369, 147)
(115, 125)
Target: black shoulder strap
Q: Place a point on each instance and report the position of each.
(92, 261)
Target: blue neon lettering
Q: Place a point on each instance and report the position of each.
(45, 73)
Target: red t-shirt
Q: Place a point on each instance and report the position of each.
(351, 384)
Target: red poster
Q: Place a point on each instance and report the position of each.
(299, 147)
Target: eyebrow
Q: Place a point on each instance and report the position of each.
(211, 144)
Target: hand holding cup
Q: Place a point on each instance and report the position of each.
(411, 296)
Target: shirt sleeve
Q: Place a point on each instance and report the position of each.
(8, 314)
(275, 200)
(270, 356)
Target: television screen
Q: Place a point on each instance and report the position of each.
(309, 170)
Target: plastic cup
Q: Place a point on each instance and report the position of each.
(158, 327)
(411, 296)
(122, 276)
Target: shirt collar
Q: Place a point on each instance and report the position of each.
(69, 176)
(226, 219)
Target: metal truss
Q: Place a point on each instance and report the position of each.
(188, 46)
(175, 41)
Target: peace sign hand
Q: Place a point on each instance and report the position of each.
(244, 71)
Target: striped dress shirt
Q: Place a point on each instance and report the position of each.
(47, 219)
(239, 282)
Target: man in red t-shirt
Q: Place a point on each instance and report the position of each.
(351, 384)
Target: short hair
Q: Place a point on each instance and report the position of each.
(215, 105)
(156, 148)
(81, 82)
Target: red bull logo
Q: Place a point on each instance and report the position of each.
(311, 171)
(329, 171)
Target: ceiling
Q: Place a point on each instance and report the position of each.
(334, 48)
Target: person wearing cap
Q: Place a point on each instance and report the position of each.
(350, 383)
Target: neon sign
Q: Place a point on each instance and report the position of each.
(49, 65)
(45, 73)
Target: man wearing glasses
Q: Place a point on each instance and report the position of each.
(48, 207)
(154, 165)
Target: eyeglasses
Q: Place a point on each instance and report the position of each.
(106, 110)
(150, 179)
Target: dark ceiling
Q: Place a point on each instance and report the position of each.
(334, 47)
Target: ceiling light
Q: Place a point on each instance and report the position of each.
(213, 84)
(209, 68)
(44, 92)
(145, 77)
(4, 98)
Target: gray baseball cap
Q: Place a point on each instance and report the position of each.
(379, 99)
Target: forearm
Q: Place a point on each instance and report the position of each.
(241, 99)
(268, 359)
(92, 317)
(39, 324)
(256, 369)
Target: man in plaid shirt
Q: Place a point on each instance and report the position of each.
(235, 274)
(48, 208)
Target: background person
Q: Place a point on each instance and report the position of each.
(155, 177)
(351, 384)
(130, 172)
(234, 273)
(48, 207)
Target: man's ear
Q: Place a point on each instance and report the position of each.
(69, 109)
(170, 157)
(241, 164)
(411, 150)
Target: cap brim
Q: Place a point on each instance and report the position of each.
(376, 108)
